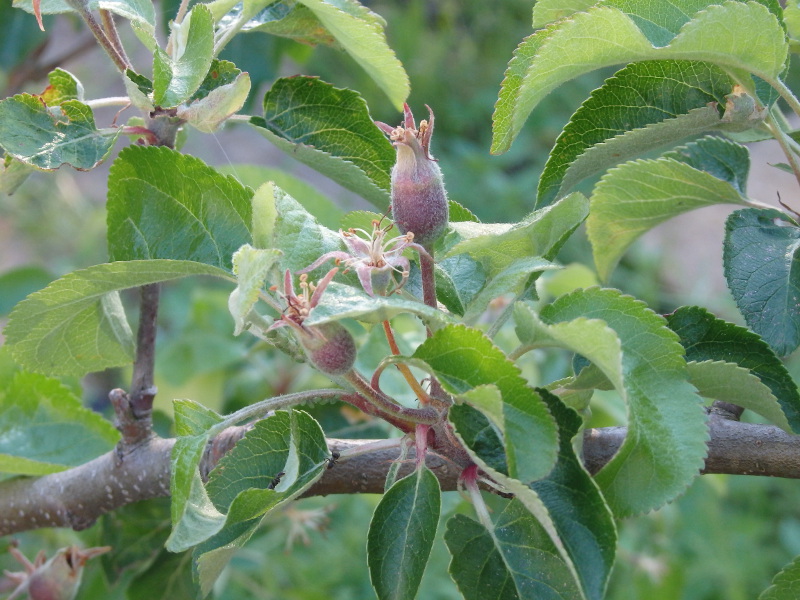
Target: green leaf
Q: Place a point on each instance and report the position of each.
(13, 174)
(330, 130)
(458, 280)
(786, 584)
(665, 445)
(604, 36)
(729, 382)
(644, 106)
(164, 204)
(401, 535)
(137, 11)
(251, 266)
(63, 86)
(315, 202)
(365, 41)
(44, 428)
(761, 255)
(285, 19)
(192, 418)
(705, 338)
(548, 11)
(176, 78)
(464, 358)
(578, 510)
(289, 226)
(47, 139)
(635, 197)
(208, 113)
(515, 560)
(481, 435)
(342, 301)
(168, 576)
(511, 280)
(242, 487)
(77, 325)
(540, 234)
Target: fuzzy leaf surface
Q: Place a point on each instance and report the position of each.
(579, 513)
(548, 11)
(644, 106)
(510, 280)
(44, 427)
(165, 204)
(401, 535)
(729, 382)
(761, 256)
(76, 324)
(635, 197)
(665, 446)
(342, 301)
(330, 130)
(241, 485)
(463, 359)
(251, 266)
(707, 338)
(177, 77)
(365, 41)
(741, 37)
(63, 86)
(45, 139)
(210, 111)
(540, 234)
(515, 560)
(289, 226)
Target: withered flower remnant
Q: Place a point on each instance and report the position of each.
(373, 258)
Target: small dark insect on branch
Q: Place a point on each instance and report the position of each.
(333, 459)
(274, 483)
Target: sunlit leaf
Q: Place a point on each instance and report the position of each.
(751, 36)
(164, 204)
(642, 358)
(635, 197)
(707, 338)
(76, 324)
(177, 77)
(330, 130)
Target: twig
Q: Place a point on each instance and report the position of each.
(77, 497)
(143, 389)
(100, 35)
(110, 28)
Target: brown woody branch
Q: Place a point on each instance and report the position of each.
(77, 497)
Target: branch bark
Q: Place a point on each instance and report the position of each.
(77, 497)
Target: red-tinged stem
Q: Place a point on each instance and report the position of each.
(422, 396)
(143, 131)
(421, 440)
(428, 271)
(387, 407)
(82, 9)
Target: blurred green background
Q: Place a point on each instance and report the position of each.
(723, 540)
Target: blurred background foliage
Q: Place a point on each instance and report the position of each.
(723, 540)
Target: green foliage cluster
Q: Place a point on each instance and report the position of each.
(664, 135)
